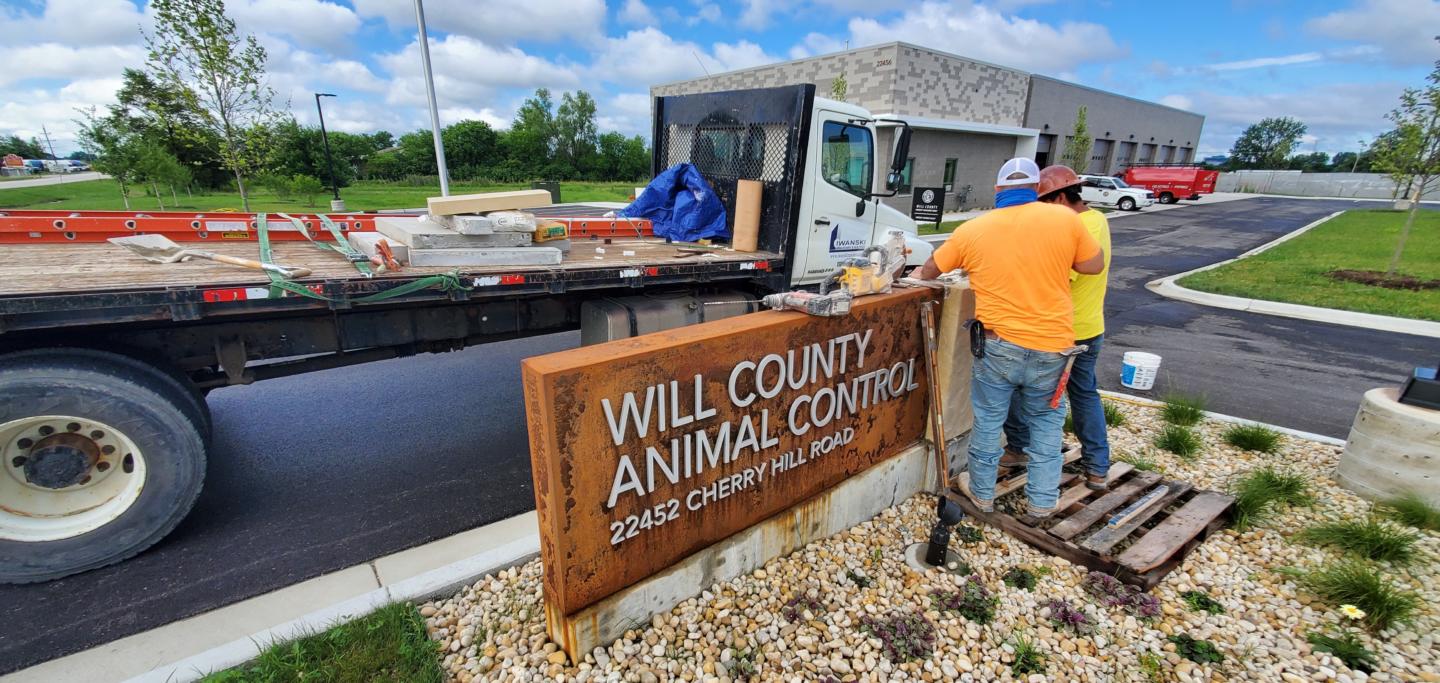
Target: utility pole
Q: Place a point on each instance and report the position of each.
(47, 141)
(336, 204)
(434, 108)
(1356, 164)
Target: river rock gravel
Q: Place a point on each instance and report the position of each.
(494, 630)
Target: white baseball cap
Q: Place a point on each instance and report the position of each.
(1024, 170)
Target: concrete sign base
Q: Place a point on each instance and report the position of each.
(1393, 449)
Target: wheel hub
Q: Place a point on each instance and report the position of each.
(61, 460)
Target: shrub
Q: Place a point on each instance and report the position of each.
(1181, 441)
(1257, 438)
(1183, 410)
(1260, 490)
(1028, 658)
(1140, 462)
(795, 608)
(1198, 651)
(1112, 593)
(742, 665)
(1198, 601)
(1153, 667)
(1412, 510)
(1347, 648)
(1370, 539)
(973, 601)
(1019, 577)
(1358, 584)
(307, 187)
(903, 637)
(1114, 417)
(969, 534)
(1063, 614)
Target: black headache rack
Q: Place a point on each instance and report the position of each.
(736, 135)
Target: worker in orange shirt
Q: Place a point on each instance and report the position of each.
(1060, 185)
(1018, 258)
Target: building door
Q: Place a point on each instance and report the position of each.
(1187, 155)
(1044, 150)
(1167, 154)
(1126, 155)
(1147, 154)
(1100, 157)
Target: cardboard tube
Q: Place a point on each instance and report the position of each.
(747, 214)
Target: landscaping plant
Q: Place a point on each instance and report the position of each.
(1358, 584)
(795, 608)
(1140, 462)
(1260, 490)
(1258, 438)
(1063, 614)
(973, 601)
(1198, 651)
(1019, 577)
(1198, 601)
(857, 578)
(969, 534)
(1183, 410)
(1412, 510)
(1114, 417)
(1346, 645)
(1028, 659)
(742, 665)
(1112, 593)
(1182, 441)
(903, 637)
(1153, 667)
(1371, 539)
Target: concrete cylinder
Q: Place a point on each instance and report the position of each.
(1393, 448)
(337, 205)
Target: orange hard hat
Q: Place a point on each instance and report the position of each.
(1054, 178)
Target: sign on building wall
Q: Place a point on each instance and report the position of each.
(927, 204)
(647, 450)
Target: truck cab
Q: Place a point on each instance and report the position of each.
(816, 160)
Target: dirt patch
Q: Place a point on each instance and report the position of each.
(1375, 278)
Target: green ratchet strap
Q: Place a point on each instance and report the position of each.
(445, 282)
(341, 245)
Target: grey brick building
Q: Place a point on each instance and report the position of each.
(969, 116)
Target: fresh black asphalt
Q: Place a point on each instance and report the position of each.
(319, 472)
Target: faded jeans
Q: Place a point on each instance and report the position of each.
(1008, 372)
(1086, 408)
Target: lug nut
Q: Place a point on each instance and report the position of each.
(25, 443)
(102, 466)
(18, 461)
(47, 430)
(97, 435)
(128, 464)
(73, 427)
(107, 449)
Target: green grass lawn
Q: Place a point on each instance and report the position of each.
(945, 227)
(389, 645)
(1295, 271)
(362, 196)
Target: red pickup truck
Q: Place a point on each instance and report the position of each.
(1171, 183)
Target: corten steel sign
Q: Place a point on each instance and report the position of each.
(646, 450)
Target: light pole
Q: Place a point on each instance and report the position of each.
(336, 204)
(434, 108)
(1356, 163)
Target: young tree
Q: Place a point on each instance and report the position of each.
(1412, 156)
(196, 52)
(115, 149)
(158, 167)
(838, 88)
(1077, 148)
(575, 133)
(1266, 144)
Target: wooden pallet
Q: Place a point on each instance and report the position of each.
(1139, 549)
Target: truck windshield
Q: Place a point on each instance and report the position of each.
(848, 157)
(1120, 183)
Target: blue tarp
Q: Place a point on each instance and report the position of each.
(681, 205)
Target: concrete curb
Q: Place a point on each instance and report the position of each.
(188, 649)
(1221, 417)
(1168, 287)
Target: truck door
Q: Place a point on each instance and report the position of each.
(842, 222)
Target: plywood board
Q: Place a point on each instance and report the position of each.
(486, 202)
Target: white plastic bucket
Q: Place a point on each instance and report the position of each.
(1138, 369)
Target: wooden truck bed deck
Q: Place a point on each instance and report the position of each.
(51, 269)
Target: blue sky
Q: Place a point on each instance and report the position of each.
(1339, 66)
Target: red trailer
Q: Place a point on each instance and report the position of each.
(1172, 182)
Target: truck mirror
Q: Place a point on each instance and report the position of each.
(893, 180)
(902, 151)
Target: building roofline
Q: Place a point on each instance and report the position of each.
(853, 50)
(890, 120)
(1114, 94)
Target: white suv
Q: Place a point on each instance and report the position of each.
(1107, 191)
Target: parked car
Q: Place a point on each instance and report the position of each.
(1107, 191)
(1173, 182)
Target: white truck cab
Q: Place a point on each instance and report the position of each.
(1108, 191)
(840, 210)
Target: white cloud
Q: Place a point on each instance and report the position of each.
(628, 113)
(981, 32)
(54, 60)
(756, 14)
(638, 13)
(469, 72)
(78, 22)
(704, 12)
(24, 111)
(310, 23)
(816, 44)
(1178, 102)
(1403, 30)
(1283, 60)
(501, 22)
(1336, 114)
(649, 56)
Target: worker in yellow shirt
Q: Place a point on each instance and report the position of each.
(1018, 258)
(1059, 185)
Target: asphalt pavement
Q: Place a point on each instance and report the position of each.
(315, 473)
(53, 179)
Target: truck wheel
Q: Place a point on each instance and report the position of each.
(1167, 198)
(1127, 204)
(160, 378)
(98, 465)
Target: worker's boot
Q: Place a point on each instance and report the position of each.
(1035, 515)
(1014, 458)
(984, 505)
(1096, 482)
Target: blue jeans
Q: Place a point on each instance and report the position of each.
(1013, 373)
(1085, 407)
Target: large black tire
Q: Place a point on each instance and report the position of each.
(159, 377)
(1167, 198)
(160, 428)
(1126, 204)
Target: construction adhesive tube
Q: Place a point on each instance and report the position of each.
(747, 214)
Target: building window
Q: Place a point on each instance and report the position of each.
(950, 174)
(848, 157)
(906, 174)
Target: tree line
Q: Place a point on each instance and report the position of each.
(199, 114)
(1272, 144)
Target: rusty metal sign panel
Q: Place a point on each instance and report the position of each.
(646, 450)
